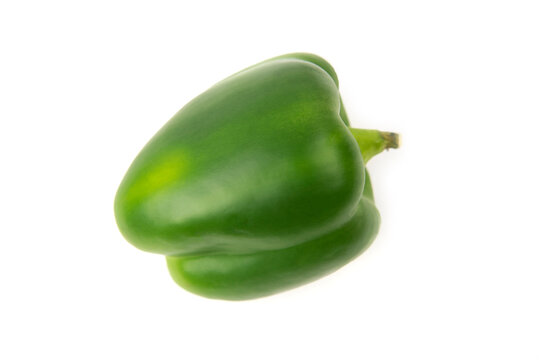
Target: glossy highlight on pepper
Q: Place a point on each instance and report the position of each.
(256, 186)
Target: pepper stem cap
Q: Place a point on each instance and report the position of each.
(373, 142)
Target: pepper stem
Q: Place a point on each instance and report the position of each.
(373, 142)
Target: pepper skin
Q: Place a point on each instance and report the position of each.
(256, 186)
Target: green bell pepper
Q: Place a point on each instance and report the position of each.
(256, 186)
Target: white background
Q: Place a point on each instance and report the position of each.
(454, 272)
